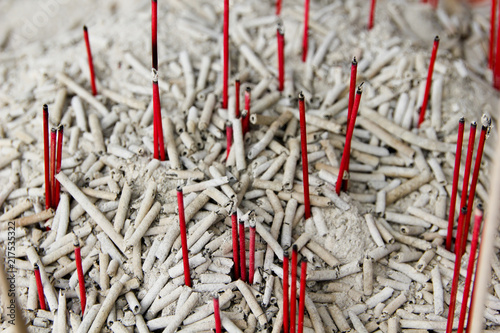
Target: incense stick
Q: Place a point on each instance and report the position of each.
(39, 287)
(491, 50)
(302, 295)
(286, 322)
(53, 148)
(225, 79)
(429, 81)
(278, 7)
(245, 121)
(305, 164)
(251, 253)
(293, 289)
(234, 234)
(81, 277)
(154, 33)
(182, 224)
(280, 35)
(372, 14)
(57, 188)
(159, 149)
(46, 150)
(237, 98)
(352, 89)
(229, 137)
(91, 63)
(306, 31)
(218, 327)
(241, 234)
(456, 173)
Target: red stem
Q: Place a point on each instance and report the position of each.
(91, 63)
(226, 55)
(468, 162)
(229, 137)
(234, 230)
(302, 295)
(293, 289)
(278, 7)
(352, 89)
(456, 173)
(218, 326)
(159, 127)
(251, 255)
(285, 292)
(429, 81)
(60, 137)
(305, 164)
(245, 121)
(39, 287)
(46, 158)
(493, 15)
(154, 33)
(81, 278)
(53, 136)
(456, 275)
(237, 98)
(281, 57)
(496, 67)
(473, 183)
(182, 223)
(306, 28)
(470, 267)
(372, 14)
(243, 260)
(347, 146)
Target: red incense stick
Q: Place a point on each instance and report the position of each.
(493, 15)
(456, 173)
(280, 35)
(159, 145)
(243, 263)
(154, 33)
(53, 138)
(496, 67)
(429, 81)
(39, 286)
(352, 89)
(218, 325)
(229, 137)
(470, 267)
(302, 295)
(237, 98)
(473, 183)
(306, 30)
(278, 7)
(456, 273)
(234, 231)
(245, 121)
(285, 292)
(293, 289)
(182, 223)
(251, 254)
(91, 63)
(81, 278)
(46, 154)
(57, 187)
(468, 162)
(305, 164)
(348, 138)
(226, 55)
(372, 14)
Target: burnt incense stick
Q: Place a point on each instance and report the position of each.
(302, 295)
(245, 120)
(429, 81)
(293, 289)
(243, 264)
(371, 15)
(154, 33)
(251, 253)
(159, 149)
(305, 164)
(473, 183)
(229, 137)
(39, 287)
(348, 138)
(53, 148)
(46, 152)
(491, 50)
(81, 277)
(286, 322)
(280, 35)
(305, 37)
(183, 233)
(456, 272)
(468, 162)
(60, 138)
(456, 173)
(218, 325)
(478, 218)
(237, 98)
(278, 7)
(234, 233)
(225, 79)
(91, 63)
